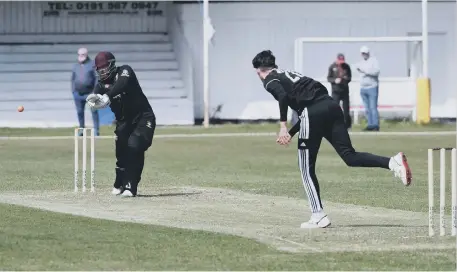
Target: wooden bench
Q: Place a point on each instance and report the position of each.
(71, 57)
(72, 48)
(67, 66)
(86, 38)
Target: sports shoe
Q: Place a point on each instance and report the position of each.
(116, 191)
(127, 193)
(399, 165)
(314, 223)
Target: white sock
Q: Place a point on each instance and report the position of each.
(318, 215)
(392, 164)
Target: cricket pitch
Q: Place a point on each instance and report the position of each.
(269, 219)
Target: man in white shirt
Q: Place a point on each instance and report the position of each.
(369, 87)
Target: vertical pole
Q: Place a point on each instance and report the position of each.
(414, 62)
(442, 189)
(296, 66)
(76, 173)
(300, 56)
(425, 38)
(454, 191)
(206, 39)
(92, 160)
(430, 193)
(84, 166)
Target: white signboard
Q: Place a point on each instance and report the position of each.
(142, 8)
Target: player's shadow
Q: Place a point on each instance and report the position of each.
(171, 194)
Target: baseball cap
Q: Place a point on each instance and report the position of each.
(364, 49)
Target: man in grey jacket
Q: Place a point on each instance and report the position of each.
(369, 87)
(83, 80)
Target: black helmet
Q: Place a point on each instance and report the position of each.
(105, 65)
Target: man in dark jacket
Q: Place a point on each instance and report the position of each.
(83, 80)
(339, 75)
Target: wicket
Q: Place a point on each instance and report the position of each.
(442, 187)
(84, 158)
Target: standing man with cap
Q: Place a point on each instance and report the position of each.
(369, 87)
(83, 80)
(339, 75)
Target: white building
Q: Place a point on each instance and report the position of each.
(38, 45)
(172, 72)
(243, 29)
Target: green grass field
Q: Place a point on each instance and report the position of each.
(218, 203)
(229, 128)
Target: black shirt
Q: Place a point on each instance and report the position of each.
(291, 89)
(128, 101)
(342, 71)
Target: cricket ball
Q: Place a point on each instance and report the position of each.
(20, 108)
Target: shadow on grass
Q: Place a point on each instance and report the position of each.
(170, 194)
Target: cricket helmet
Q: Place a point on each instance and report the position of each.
(105, 65)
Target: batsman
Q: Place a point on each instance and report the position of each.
(118, 88)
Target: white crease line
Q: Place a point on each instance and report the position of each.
(215, 135)
(300, 245)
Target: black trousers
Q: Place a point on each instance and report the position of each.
(324, 119)
(344, 96)
(132, 141)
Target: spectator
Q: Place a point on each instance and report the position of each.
(339, 75)
(369, 87)
(83, 80)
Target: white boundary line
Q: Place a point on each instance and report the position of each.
(259, 134)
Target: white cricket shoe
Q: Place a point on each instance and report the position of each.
(127, 193)
(116, 191)
(399, 165)
(316, 222)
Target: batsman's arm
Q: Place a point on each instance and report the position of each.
(121, 83)
(98, 89)
(278, 92)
